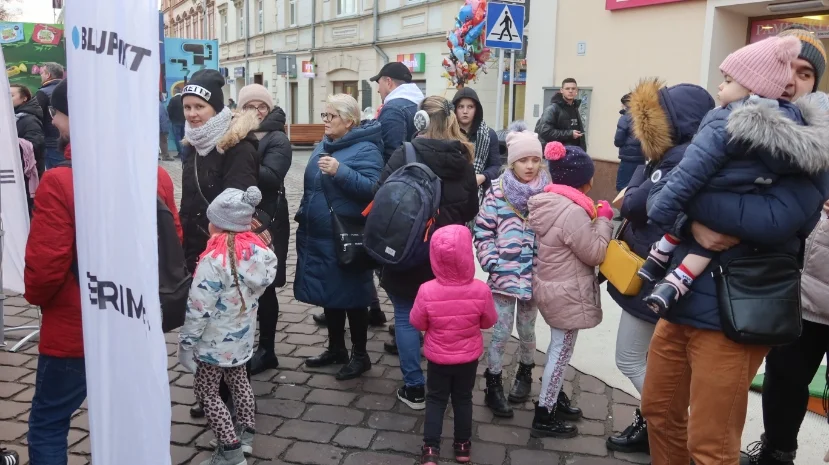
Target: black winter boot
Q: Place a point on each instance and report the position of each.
(545, 425)
(359, 364)
(495, 399)
(262, 360)
(329, 357)
(633, 439)
(520, 391)
(320, 319)
(565, 411)
(759, 453)
(376, 317)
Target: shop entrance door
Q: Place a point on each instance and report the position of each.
(347, 87)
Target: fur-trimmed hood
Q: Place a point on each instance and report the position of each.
(241, 126)
(664, 117)
(797, 133)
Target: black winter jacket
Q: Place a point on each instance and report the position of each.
(458, 203)
(237, 166)
(175, 110)
(30, 127)
(558, 122)
(630, 149)
(44, 99)
(276, 156)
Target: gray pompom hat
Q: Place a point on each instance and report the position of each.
(233, 209)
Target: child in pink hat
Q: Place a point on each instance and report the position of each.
(743, 146)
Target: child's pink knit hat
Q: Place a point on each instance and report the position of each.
(765, 67)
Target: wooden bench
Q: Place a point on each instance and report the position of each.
(307, 134)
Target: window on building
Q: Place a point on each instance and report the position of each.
(292, 12)
(187, 28)
(347, 87)
(211, 27)
(224, 27)
(261, 16)
(346, 7)
(241, 18)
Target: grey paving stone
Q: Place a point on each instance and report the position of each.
(504, 434)
(398, 442)
(354, 437)
(593, 406)
(286, 391)
(376, 402)
(591, 384)
(373, 458)
(334, 414)
(268, 447)
(622, 416)
(308, 453)
(533, 457)
(280, 407)
(307, 431)
(391, 421)
(330, 397)
(591, 445)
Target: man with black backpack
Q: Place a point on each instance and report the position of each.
(51, 280)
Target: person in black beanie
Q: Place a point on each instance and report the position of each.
(222, 153)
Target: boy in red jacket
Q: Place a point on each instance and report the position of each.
(51, 282)
(452, 309)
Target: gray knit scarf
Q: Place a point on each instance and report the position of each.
(204, 138)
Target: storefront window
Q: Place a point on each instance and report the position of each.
(347, 87)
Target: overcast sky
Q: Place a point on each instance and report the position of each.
(34, 11)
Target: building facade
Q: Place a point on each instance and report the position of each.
(608, 45)
(189, 19)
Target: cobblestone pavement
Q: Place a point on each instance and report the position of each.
(305, 416)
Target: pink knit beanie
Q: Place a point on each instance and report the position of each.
(764, 67)
(253, 92)
(522, 144)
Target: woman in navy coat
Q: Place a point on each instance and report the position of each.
(346, 174)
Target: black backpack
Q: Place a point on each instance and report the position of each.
(173, 277)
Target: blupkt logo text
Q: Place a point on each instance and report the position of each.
(108, 41)
(122, 299)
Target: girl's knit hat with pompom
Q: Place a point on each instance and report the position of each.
(569, 165)
(765, 67)
(233, 209)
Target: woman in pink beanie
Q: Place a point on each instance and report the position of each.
(743, 146)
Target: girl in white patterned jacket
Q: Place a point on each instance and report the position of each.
(218, 334)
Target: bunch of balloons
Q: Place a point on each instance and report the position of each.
(467, 54)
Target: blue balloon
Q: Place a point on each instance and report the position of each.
(474, 33)
(454, 39)
(459, 53)
(465, 14)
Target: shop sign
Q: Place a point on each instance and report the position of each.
(622, 4)
(239, 72)
(308, 69)
(766, 28)
(519, 80)
(416, 62)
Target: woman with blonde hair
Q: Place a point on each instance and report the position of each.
(442, 147)
(339, 179)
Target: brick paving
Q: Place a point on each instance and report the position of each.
(305, 416)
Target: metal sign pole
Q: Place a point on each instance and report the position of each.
(511, 86)
(499, 99)
(288, 93)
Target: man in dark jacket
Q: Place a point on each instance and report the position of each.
(561, 120)
(175, 111)
(630, 150)
(400, 99)
(163, 130)
(470, 114)
(50, 75)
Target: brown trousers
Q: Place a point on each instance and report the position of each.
(712, 374)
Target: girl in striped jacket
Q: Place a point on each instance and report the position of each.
(506, 246)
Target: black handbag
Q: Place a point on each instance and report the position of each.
(759, 298)
(348, 238)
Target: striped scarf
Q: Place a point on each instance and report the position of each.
(481, 155)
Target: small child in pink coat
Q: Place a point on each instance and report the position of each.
(452, 309)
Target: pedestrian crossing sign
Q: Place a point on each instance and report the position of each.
(504, 26)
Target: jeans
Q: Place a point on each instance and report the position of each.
(60, 389)
(408, 342)
(53, 157)
(712, 374)
(178, 135)
(789, 370)
(632, 342)
(445, 380)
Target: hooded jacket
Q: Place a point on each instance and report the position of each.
(630, 149)
(744, 148)
(484, 146)
(234, 162)
(664, 120)
(50, 251)
(458, 203)
(558, 122)
(572, 242)
(319, 278)
(454, 307)
(217, 327)
(29, 118)
(814, 282)
(276, 156)
(397, 117)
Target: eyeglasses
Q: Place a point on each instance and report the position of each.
(326, 117)
(52, 112)
(261, 108)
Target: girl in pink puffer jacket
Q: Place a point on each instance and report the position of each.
(572, 236)
(452, 309)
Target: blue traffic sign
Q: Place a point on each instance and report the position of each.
(504, 26)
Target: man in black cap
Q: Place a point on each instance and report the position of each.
(401, 99)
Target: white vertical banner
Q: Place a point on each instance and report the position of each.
(113, 63)
(14, 209)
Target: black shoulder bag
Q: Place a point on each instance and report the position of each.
(348, 238)
(759, 298)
